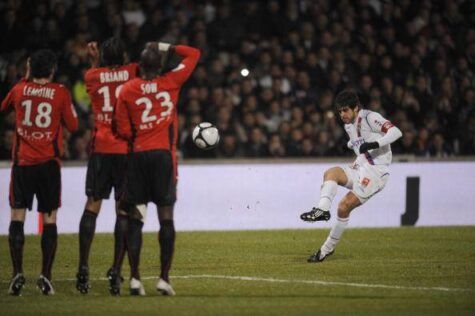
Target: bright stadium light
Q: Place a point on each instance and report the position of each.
(244, 72)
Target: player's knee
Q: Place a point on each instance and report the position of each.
(328, 175)
(49, 218)
(165, 213)
(121, 212)
(18, 215)
(344, 209)
(137, 212)
(93, 206)
(121, 207)
(332, 174)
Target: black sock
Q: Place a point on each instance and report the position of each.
(120, 240)
(134, 245)
(16, 240)
(87, 227)
(49, 241)
(166, 238)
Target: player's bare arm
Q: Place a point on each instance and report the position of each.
(93, 54)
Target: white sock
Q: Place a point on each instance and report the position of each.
(327, 193)
(335, 235)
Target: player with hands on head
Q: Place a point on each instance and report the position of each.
(146, 114)
(107, 160)
(370, 138)
(41, 108)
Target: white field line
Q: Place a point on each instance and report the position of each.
(314, 282)
(326, 283)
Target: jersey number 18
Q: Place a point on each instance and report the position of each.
(42, 118)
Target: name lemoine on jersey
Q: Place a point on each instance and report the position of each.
(43, 92)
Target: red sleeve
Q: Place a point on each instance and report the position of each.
(121, 118)
(134, 69)
(69, 116)
(7, 103)
(183, 71)
(88, 80)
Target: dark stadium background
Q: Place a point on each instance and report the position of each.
(413, 61)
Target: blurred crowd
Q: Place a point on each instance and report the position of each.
(270, 70)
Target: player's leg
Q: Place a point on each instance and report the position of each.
(365, 181)
(21, 198)
(49, 243)
(120, 238)
(137, 215)
(98, 187)
(48, 193)
(332, 178)
(87, 229)
(16, 241)
(120, 248)
(346, 205)
(165, 197)
(121, 225)
(135, 196)
(166, 239)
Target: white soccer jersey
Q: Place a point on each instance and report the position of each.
(368, 127)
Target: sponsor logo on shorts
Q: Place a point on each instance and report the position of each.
(365, 182)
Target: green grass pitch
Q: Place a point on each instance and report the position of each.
(400, 271)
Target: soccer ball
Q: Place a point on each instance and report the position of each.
(205, 135)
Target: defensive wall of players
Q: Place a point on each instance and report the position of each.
(261, 195)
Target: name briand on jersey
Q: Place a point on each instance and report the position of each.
(103, 85)
(146, 109)
(368, 127)
(40, 111)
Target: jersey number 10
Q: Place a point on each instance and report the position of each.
(107, 107)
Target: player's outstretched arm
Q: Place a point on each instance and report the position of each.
(93, 54)
(183, 71)
(382, 125)
(28, 71)
(392, 134)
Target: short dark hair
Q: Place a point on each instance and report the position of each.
(42, 63)
(112, 52)
(151, 60)
(347, 98)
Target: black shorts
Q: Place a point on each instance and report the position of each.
(42, 180)
(104, 172)
(151, 177)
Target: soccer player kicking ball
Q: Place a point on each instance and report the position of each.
(107, 161)
(370, 138)
(41, 107)
(146, 114)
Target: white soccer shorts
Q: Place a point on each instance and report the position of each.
(366, 180)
